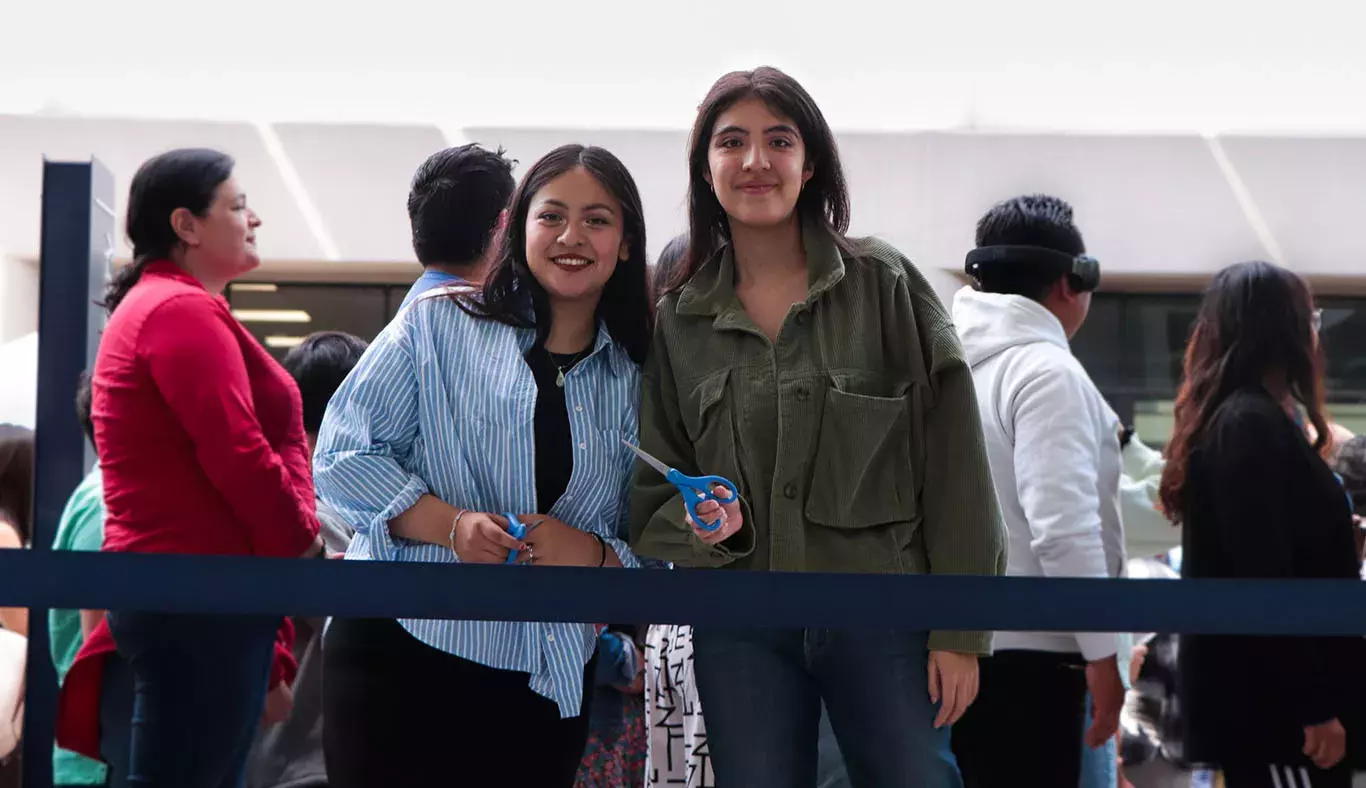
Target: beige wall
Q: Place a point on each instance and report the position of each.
(18, 298)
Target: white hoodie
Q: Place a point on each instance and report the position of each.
(1053, 445)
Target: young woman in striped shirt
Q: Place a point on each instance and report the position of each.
(467, 406)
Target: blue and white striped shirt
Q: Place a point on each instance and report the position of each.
(444, 403)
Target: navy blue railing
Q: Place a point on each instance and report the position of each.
(706, 597)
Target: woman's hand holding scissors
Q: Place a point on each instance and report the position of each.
(553, 542)
(482, 538)
(710, 510)
(714, 508)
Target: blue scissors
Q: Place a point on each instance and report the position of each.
(517, 530)
(695, 489)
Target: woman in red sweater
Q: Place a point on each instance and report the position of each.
(201, 442)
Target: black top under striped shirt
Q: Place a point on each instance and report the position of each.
(554, 442)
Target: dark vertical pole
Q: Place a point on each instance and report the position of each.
(77, 247)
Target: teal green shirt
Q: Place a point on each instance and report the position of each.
(81, 528)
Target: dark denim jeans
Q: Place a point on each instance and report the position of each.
(199, 690)
(116, 720)
(761, 692)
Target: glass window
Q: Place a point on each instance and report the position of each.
(1153, 422)
(1134, 344)
(1343, 336)
(281, 315)
(1098, 341)
(1156, 328)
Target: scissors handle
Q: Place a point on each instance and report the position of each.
(702, 486)
(517, 530)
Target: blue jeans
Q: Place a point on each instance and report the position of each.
(761, 692)
(830, 771)
(1098, 768)
(199, 690)
(116, 719)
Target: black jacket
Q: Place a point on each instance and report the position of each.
(1261, 503)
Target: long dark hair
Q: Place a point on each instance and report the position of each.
(1254, 318)
(825, 198)
(185, 178)
(625, 302)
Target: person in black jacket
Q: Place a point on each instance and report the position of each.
(1256, 499)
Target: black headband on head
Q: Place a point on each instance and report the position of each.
(1085, 269)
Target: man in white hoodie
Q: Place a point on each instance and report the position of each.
(1053, 445)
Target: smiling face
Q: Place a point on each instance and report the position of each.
(223, 240)
(756, 164)
(574, 237)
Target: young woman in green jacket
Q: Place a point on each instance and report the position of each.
(822, 376)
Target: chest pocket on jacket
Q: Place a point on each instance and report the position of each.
(862, 474)
(709, 419)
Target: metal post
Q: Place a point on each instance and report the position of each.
(75, 259)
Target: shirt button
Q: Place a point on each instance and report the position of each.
(790, 491)
(803, 393)
(583, 446)
(550, 638)
(578, 408)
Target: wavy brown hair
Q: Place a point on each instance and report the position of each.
(1255, 319)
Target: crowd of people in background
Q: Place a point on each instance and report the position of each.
(867, 427)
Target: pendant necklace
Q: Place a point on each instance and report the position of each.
(561, 369)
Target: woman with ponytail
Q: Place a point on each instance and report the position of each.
(201, 444)
(1255, 499)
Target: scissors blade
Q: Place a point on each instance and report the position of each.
(647, 459)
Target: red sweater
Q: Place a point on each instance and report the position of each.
(200, 432)
(201, 442)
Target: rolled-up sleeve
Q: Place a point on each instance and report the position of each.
(194, 357)
(618, 539)
(659, 527)
(367, 436)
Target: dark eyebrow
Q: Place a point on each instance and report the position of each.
(781, 128)
(595, 206)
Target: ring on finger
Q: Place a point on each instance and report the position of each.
(530, 554)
